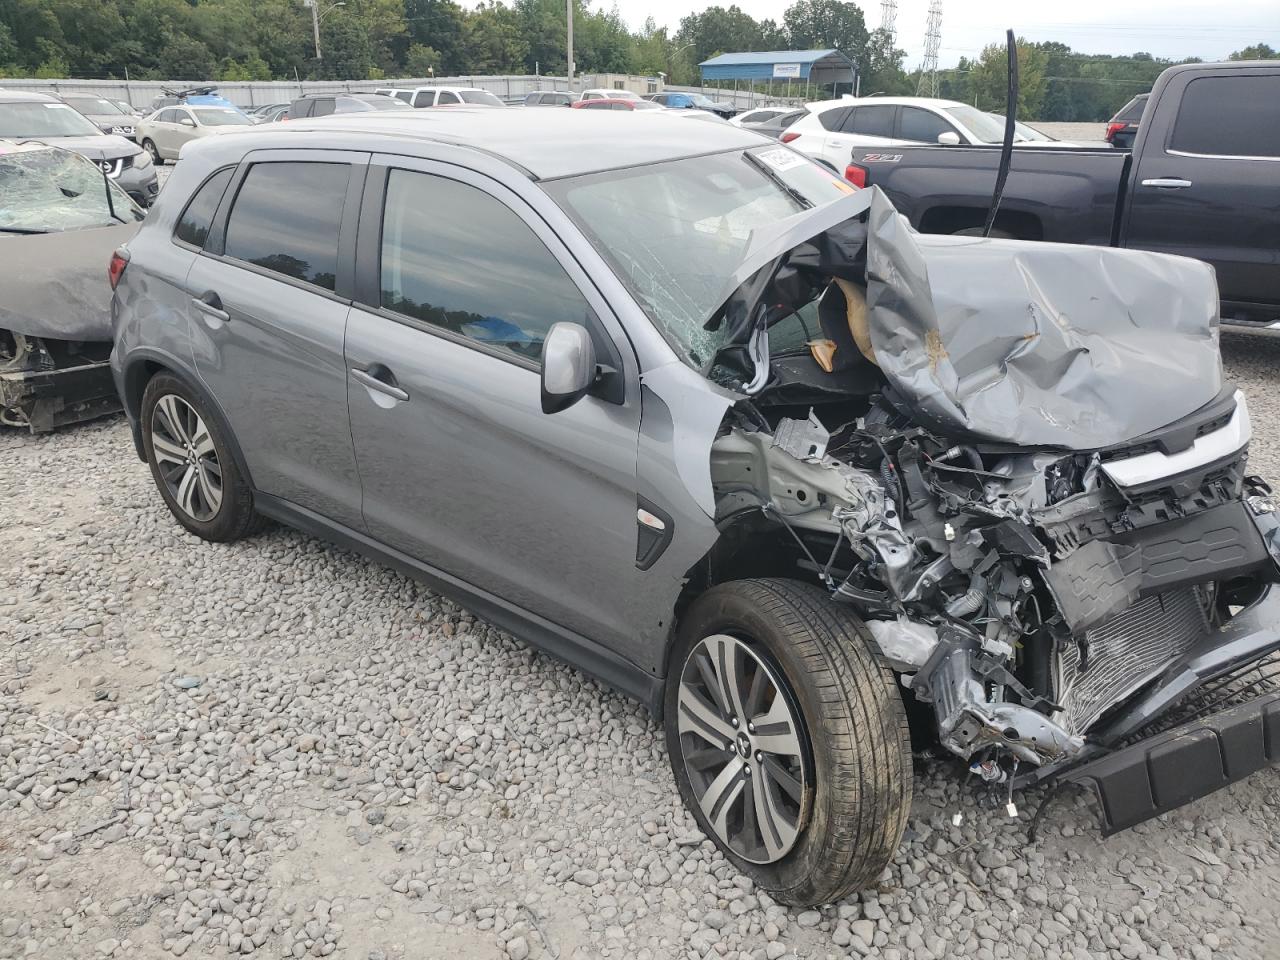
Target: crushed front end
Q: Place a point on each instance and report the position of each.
(1047, 525)
(47, 383)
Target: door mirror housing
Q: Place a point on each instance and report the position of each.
(949, 137)
(568, 366)
(186, 121)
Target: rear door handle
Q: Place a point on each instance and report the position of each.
(379, 379)
(210, 304)
(1168, 183)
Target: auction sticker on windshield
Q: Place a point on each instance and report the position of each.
(782, 159)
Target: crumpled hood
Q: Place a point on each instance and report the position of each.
(56, 283)
(1003, 341)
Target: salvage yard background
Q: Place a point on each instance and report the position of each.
(277, 746)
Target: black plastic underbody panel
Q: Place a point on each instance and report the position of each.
(1163, 772)
(1214, 544)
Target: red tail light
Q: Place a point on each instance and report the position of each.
(115, 270)
(1113, 129)
(789, 136)
(856, 175)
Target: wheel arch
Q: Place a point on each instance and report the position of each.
(951, 219)
(145, 367)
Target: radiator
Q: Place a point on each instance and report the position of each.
(1125, 653)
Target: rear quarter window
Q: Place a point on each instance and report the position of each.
(834, 119)
(193, 225)
(1229, 117)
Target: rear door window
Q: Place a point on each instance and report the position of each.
(193, 226)
(871, 121)
(1229, 117)
(286, 219)
(1131, 112)
(447, 96)
(921, 125)
(460, 260)
(425, 98)
(322, 107)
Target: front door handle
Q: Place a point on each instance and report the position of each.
(1168, 183)
(210, 304)
(379, 379)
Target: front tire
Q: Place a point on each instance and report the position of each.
(191, 463)
(150, 147)
(788, 738)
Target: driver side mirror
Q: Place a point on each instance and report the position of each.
(568, 366)
(949, 137)
(187, 122)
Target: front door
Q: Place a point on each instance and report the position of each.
(1207, 183)
(268, 312)
(460, 467)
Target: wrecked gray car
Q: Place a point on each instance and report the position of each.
(60, 220)
(681, 408)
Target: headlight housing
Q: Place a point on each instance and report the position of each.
(141, 160)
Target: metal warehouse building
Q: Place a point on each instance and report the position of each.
(817, 67)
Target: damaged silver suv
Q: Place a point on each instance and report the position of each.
(680, 407)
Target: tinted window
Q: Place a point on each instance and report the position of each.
(194, 225)
(286, 219)
(447, 97)
(921, 125)
(322, 107)
(833, 119)
(482, 97)
(1230, 116)
(425, 98)
(1131, 112)
(871, 121)
(459, 259)
(596, 105)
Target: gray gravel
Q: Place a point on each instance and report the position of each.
(277, 748)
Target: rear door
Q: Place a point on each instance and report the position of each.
(268, 314)
(1206, 182)
(459, 283)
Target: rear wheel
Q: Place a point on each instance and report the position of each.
(150, 147)
(788, 738)
(191, 463)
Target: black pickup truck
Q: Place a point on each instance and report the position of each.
(1203, 180)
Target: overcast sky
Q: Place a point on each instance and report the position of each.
(1163, 28)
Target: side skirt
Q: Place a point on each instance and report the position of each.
(568, 647)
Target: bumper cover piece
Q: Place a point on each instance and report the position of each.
(1163, 772)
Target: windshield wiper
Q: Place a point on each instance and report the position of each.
(772, 174)
(23, 230)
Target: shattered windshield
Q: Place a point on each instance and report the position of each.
(675, 231)
(48, 191)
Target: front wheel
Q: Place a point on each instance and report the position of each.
(150, 147)
(788, 738)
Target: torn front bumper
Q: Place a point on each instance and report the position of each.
(44, 399)
(1211, 718)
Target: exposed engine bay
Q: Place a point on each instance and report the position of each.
(1028, 558)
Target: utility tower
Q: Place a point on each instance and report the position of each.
(889, 19)
(928, 85)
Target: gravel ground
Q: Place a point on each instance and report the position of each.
(278, 747)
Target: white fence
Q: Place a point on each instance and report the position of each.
(140, 93)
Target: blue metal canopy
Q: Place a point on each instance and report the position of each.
(813, 66)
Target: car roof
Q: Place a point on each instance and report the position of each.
(818, 106)
(560, 144)
(23, 96)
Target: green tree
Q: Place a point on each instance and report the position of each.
(422, 60)
(989, 80)
(881, 67)
(1258, 51)
(819, 24)
(494, 42)
(440, 25)
(345, 49)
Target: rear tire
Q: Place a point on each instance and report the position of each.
(192, 465)
(853, 777)
(150, 147)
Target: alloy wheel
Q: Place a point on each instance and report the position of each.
(186, 457)
(743, 749)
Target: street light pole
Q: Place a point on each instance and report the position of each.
(568, 11)
(317, 15)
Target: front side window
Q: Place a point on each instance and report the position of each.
(1229, 117)
(675, 231)
(447, 96)
(286, 219)
(425, 98)
(459, 259)
(322, 107)
(30, 121)
(193, 227)
(922, 126)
